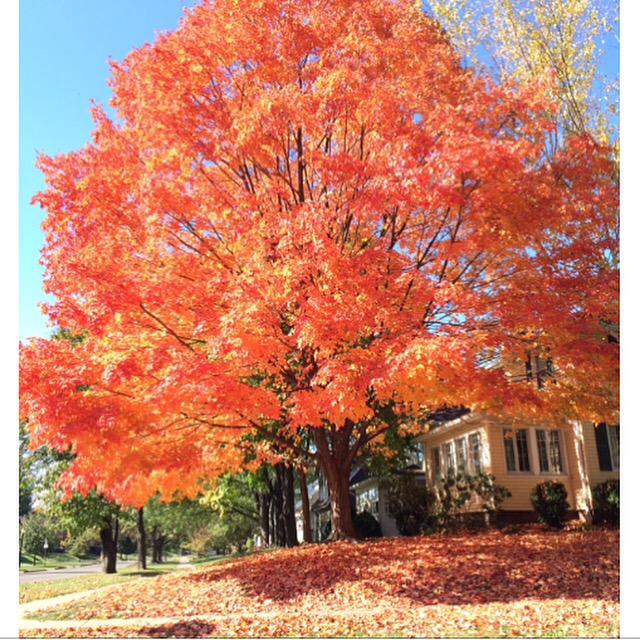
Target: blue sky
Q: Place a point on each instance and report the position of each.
(64, 50)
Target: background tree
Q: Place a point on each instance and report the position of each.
(524, 39)
(309, 221)
(82, 513)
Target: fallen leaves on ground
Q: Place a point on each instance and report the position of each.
(533, 583)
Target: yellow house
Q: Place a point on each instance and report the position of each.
(522, 454)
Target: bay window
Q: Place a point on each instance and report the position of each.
(475, 445)
(461, 455)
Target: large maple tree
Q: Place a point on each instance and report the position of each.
(308, 220)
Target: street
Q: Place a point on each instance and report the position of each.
(71, 572)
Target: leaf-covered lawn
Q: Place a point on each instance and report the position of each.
(535, 583)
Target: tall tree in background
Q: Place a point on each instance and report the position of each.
(311, 224)
(524, 39)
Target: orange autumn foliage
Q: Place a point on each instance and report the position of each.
(304, 212)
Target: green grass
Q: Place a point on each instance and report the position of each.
(51, 589)
(53, 561)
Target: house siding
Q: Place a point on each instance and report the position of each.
(576, 476)
(438, 437)
(596, 476)
(521, 484)
(386, 520)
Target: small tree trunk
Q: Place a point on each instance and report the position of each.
(306, 512)
(109, 549)
(142, 541)
(289, 507)
(272, 518)
(116, 533)
(265, 499)
(157, 542)
(277, 491)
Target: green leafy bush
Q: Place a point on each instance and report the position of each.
(84, 544)
(419, 509)
(366, 525)
(456, 491)
(38, 527)
(412, 505)
(549, 500)
(606, 503)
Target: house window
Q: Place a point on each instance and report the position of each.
(435, 457)
(613, 431)
(608, 446)
(516, 449)
(475, 445)
(420, 455)
(368, 500)
(416, 456)
(449, 463)
(461, 455)
(549, 454)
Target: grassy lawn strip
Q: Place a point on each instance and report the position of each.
(54, 561)
(41, 590)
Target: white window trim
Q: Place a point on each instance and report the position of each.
(534, 456)
(469, 467)
(533, 453)
(563, 455)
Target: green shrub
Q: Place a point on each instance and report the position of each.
(456, 491)
(37, 527)
(419, 509)
(325, 531)
(606, 503)
(549, 499)
(412, 505)
(84, 544)
(366, 526)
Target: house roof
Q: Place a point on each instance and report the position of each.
(445, 414)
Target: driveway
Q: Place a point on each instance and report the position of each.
(71, 572)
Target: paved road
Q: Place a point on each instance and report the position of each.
(72, 572)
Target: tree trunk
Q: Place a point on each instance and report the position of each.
(265, 499)
(157, 542)
(336, 461)
(116, 533)
(272, 519)
(341, 521)
(289, 507)
(306, 512)
(109, 549)
(280, 539)
(142, 541)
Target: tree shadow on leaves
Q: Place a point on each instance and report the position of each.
(451, 569)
